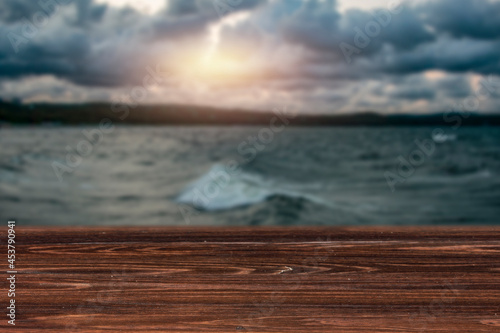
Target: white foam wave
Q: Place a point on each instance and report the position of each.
(219, 190)
(441, 137)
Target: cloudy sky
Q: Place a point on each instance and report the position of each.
(313, 55)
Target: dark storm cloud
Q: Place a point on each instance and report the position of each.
(88, 12)
(183, 26)
(95, 45)
(88, 48)
(406, 31)
(433, 35)
(182, 7)
(318, 25)
(313, 24)
(464, 18)
(16, 10)
(413, 93)
(100, 45)
(412, 88)
(220, 7)
(457, 37)
(455, 87)
(457, 56)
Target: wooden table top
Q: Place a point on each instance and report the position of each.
(385, 279)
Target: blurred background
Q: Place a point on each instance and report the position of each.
(249, 112)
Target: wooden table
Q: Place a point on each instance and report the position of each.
(256, 280)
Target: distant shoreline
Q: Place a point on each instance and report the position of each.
(94, 113)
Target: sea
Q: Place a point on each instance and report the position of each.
(249, 176)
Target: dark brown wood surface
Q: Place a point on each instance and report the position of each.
(256, 280)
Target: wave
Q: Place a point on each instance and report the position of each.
(441, 138)
(5, 166)
(18, 163)
(218, 190)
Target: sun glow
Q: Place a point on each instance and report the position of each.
(222, 66)
(214, 62)
(216, 67)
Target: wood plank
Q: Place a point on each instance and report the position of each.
(257, 280)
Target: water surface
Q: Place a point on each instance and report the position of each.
(304, 176)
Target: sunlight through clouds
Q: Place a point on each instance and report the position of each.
(311, 54)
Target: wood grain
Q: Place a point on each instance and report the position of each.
(256, 280)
